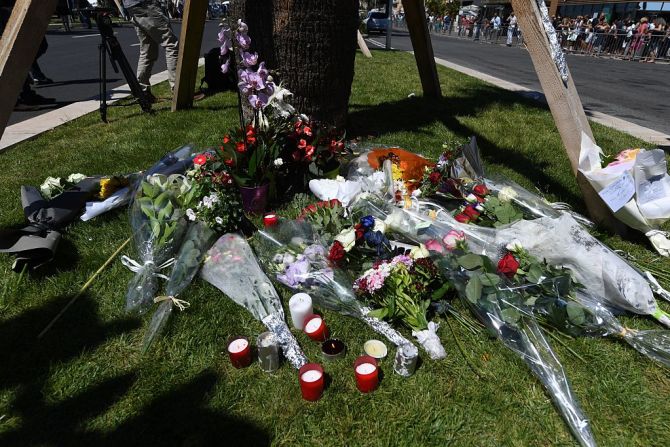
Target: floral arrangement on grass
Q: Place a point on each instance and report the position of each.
(105, 187)
(213, 198)
(368, 233)
(401, 289)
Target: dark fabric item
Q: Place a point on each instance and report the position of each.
(36, 244)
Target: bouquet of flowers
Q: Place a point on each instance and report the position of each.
(293, 254)
(401, 289)
(231, 267)
(156, 217)
(213, 206)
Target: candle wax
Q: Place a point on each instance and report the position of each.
(366, 368)
(300, 306)
(311, 376)
(238, 345)
(313, 325)
(375, 348)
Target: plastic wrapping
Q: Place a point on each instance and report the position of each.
(175, 162)
(231, 267)
(329, 287)
(158, 227)
(199, 238)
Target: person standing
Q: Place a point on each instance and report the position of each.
(496, 26)
(153, 29)
(511, 28)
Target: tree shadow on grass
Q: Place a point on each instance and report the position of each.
(411, 114)
(180, 416)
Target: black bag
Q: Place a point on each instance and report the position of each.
(215, 79)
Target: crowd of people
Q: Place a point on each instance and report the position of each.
(644, 40)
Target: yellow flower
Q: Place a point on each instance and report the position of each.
(396, 172)
(109, 186)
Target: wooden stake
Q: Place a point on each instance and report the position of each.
(565, 106)
(192, 27)
(19, 44)
(415, 14)
(362, 45)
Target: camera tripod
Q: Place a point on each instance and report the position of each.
(110, 46)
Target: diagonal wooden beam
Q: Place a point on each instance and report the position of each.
(415, 14)
(19, 44)
(192, 27)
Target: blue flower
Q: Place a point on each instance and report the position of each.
(368, 222)
(376, 239)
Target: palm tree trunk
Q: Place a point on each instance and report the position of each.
(311, 46)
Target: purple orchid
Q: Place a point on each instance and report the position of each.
(249, 59)
(225, 48)
(259, 100)
(224, 35)
(270, 88)
(295, 273)
(250, 81)
(226, 66)
(262, 71)
(243, 40)
(242, 27)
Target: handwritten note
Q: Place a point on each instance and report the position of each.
(618, 193)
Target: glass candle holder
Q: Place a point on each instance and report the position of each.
(405, 359)
(312, 381)
(375, 348)
(367, 373)
(315, 327)
(239, 351)
(268, 352)
(270, 220)
(333, 349)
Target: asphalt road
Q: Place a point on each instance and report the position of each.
(633, 91)
(72, 62)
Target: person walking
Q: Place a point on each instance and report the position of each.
(511, 28)
(153, 29)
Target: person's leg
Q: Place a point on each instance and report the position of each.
(143, 23)
(162, 32)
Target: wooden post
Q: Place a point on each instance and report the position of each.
(362, 45)
(564, 103)
(18, 47)
(415, 14)
(192, 27)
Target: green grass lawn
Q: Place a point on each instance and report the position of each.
(87, 384)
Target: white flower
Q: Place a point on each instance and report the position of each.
(218, 220)
(76, 178)
(507, 194)
(347, 238)
(379, 226)
(479, 207)
(514, 246)
(190, 214)
(340, 179)
(396, 221)
(49, 185)
(471, 198)
(419, 252)
(288, 259)
(278, 162)
(207, 202)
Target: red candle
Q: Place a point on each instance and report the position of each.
(239, 351)
(270, 220)
(316, 328)
(311, 381)
(367, 373)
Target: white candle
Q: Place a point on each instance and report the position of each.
(238, 345)
(313, 325)
(375, 348)
(365, 368)
(300, 305)
(311, 376)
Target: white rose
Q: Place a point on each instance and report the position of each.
(48, 186)
(347, 238)
(379, 226)
(218, 220)
(278, 162)
(507, 194)
(514, 246)
(471, 198)
(419, 252)
(190, 214)
(76, 178)
(396, 221)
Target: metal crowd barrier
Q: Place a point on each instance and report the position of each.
(615, 45)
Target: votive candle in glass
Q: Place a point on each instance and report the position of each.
(367, 373)
(239, 351)
(311, 381)
(268, 351)
(375, 348)
(333, 349)
(316, 328)
(270, 220)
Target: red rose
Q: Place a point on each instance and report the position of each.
(297, 125)
(200, 160)
(336, 252)
(334, 202)
(480, 199)
(229, 162)
(336, 146)
(226, 139)
(481, 190)
(302, 144)
(360, 231)
(508, 265)
(471, 212)
(240, 147)
(462, 218)
(435, 177)
(307, 131)
(309, 151)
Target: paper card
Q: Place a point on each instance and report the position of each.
(618, 193)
